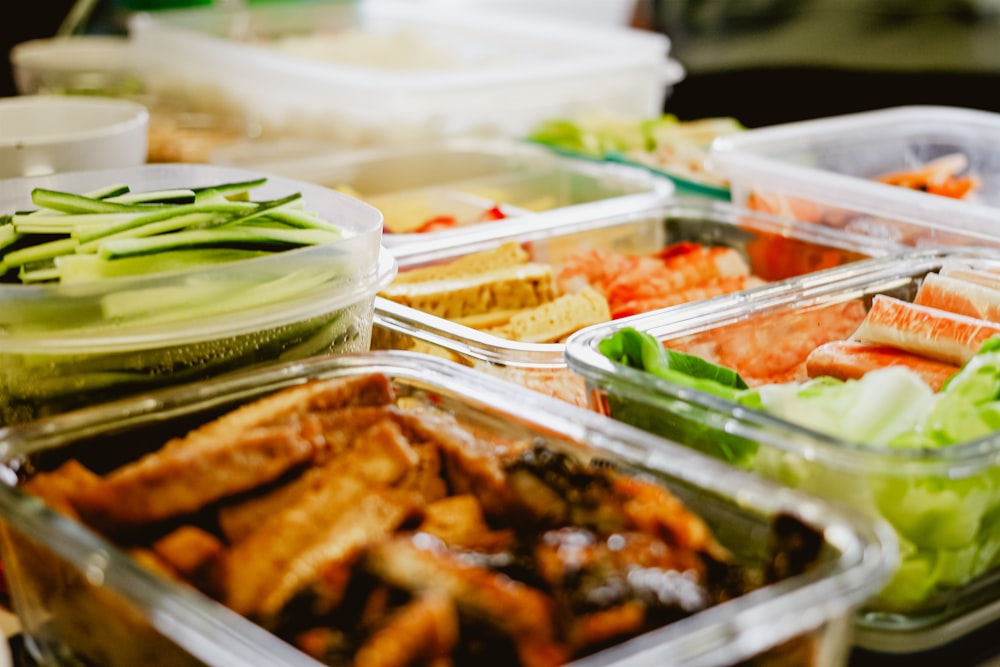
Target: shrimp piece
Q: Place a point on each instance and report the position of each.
(591, 268)
(627, 277)
(676, 268)
(785, 207)
(939, 176)
(712, 288)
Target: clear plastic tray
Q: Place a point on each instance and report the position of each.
(77, 594)
(385, 73)
(463, 179)
(66, 345)
(823, 171)
(774, 250)
(777, 330)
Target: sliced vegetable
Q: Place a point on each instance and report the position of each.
(113, 223)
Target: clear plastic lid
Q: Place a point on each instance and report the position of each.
(200, 304)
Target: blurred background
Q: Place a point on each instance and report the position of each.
(773, 61)
(761, 61)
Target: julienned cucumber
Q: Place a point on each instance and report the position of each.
(113, 224)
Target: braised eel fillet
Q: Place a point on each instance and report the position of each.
(248, 447)
(378, 532)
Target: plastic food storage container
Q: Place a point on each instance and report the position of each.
(942, 501)
(825, 171)
(772, 250)
(382, 73)
(430, 190)
(63, 345)
(78, 594)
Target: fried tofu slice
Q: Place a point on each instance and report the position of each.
(242, 450)
(503, 256)
(554, 321)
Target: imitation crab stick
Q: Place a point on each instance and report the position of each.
(959, 296)
(984, 277)
(922, 330)
(850, 360)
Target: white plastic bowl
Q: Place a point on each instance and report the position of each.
(47, 134)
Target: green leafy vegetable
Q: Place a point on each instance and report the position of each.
(949, 528)
(677, 419)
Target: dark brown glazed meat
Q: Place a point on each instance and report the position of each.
(378, 532)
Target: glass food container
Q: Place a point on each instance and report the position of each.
(942, 501)
(68, 344)
(772, 249)
(918, 175)
(77, 594)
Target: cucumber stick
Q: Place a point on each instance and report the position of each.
(251, 238)
(121, 232)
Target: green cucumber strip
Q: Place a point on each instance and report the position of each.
(173, 224)
(240, 211)
(86, 236)
(175, 196)
(84, 268)
(39, 252)
(170, 302)
(303, 220)
(8, 235)
(65, 224)
(69, 202)
(264, 208)
(44, 274)
(231, 189)
(101, 193)
(164, 304)
(108, 191)
(261, 238)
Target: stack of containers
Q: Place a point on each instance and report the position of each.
(825, 171)
(68, 344)
(383, 72)
(941, 500)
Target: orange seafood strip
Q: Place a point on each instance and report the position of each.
(715, 287)
(984, 277)
(849, 360)
(625, 277)
(930, 332)
(596, 268)
(959, 296)
(773, 347)
(939, 177)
